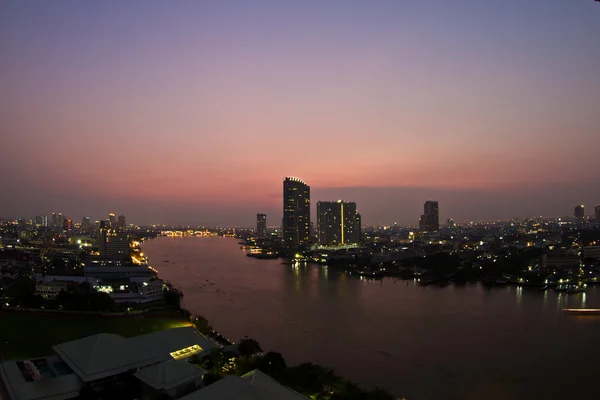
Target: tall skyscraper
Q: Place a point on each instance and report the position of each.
(112, 222)
(261, 225)
(579, 215)
(337, 223)
(296, 212)
(60, 221)
(597, 214)
(54, 220)
(121, 223)
(430, 220)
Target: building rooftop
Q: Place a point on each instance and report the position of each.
(102, 355)
(169, 374)
(44, 388)
(255, 385)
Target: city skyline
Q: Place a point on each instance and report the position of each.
(193, 113)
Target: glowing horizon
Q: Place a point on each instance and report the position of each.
(198, 111)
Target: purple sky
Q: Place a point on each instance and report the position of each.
(194, 111)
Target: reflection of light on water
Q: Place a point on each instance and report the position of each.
(583, 299)
(519, 294)
(545, 299)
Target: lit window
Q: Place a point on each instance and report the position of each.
(187, 352)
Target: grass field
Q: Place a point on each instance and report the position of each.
(24, 334)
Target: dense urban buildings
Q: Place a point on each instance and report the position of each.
(296, 212)
(579, 215)
(430, 220)
(338, 223)
(261, 225)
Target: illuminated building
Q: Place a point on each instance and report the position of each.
(450, 223)
(579, 215)
(54, 220)
(112, 221)
(296, 212)
(67, 224)
(337, 223)
(430, 220)
(261, 225)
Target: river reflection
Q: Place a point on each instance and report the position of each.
(455, 342)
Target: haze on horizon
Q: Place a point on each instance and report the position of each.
(194, 112)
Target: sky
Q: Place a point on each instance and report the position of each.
(194, 111)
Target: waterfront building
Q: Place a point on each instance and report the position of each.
(338, 223)
(113, 244)
(579, 215)
(261, 225)
(296, 212)
(430, 220)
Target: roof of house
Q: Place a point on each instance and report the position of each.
(255, 385)
(56, 388)
(102, 355)
(169, 374)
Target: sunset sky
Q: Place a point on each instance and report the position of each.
(195, 111)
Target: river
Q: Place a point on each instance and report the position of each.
(456, 342)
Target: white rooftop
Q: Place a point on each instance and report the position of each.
(254, 385)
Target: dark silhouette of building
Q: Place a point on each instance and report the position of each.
(430, 220)
(338, 222)
(261, 225)
(579, 215)
(296, 212)
(597, 214)
(121, 223)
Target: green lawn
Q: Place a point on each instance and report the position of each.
(24, 334)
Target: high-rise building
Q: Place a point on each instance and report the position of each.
(54, 220)
(597, 214)
(112, 222)
(338, 223)
(60, 221)
(430, 220)
(450, 223)
(296, 212)
(261, 225)
(67, 224)
(113, 244)
(41, 221)
(579, 215)
(121, 223)
(86, 224)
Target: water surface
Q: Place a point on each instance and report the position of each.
(456, 342)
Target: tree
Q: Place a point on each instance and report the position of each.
(272, 364)
(248, 347)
